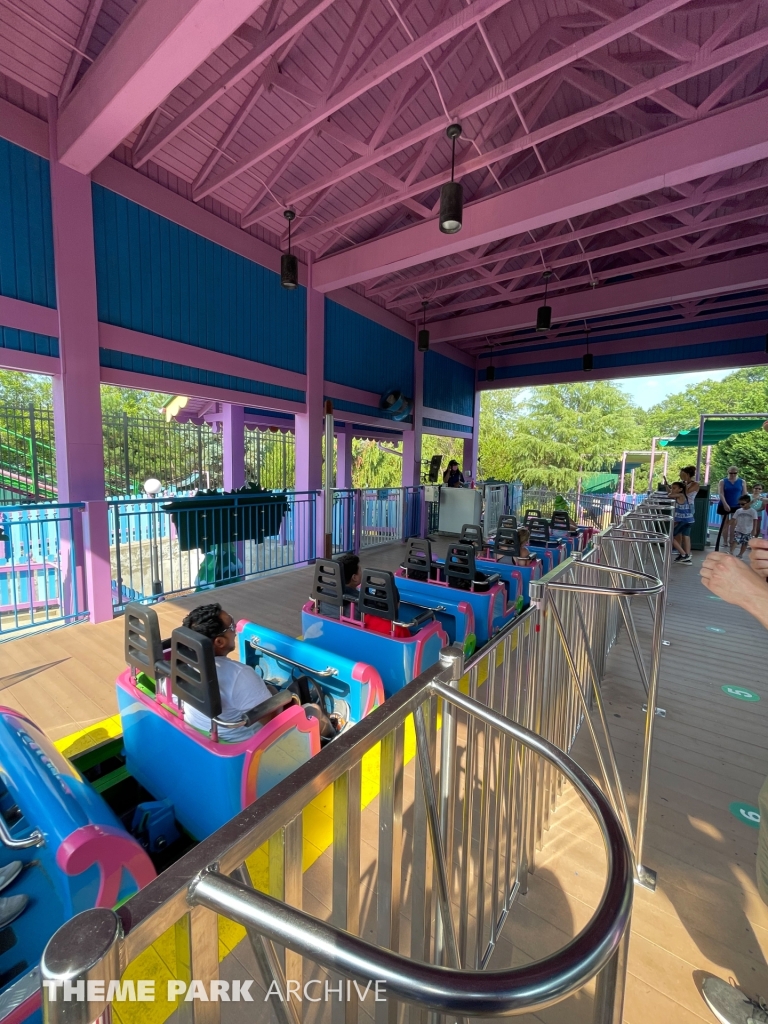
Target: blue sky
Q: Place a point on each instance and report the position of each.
(647, 391)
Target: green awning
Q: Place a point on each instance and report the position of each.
(599, 483)
(714, 431)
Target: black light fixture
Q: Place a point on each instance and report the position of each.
(586, 360)
(544, 313)
(289, 265)
(451, 193)
(490, 371)
(423, 345)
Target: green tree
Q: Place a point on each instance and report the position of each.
(742, 391)
(557, 432)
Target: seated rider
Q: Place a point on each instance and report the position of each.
(525, 557)
(352, 573)
(241, 687)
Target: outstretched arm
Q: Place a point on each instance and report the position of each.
(736, 583)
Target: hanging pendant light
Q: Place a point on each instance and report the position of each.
(544, 313)
(423, 344)
(289, 265)
(451, 193)
(586, 361)
(490, 371)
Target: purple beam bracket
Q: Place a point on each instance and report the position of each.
(98, 568)
(233, 445)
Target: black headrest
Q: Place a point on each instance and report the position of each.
(539, 528)
(328, 585)
(507, 542)
(193, 671)
(471, 534)
(505, 522)
(460, 563)
(143, 646)
(531, 513)
(561, 520)
(418, 561)
(378, 594)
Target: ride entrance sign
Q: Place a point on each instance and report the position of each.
(740, 693)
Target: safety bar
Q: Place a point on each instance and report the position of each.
(322, 674)
(35, 838)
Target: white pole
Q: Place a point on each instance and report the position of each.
(623, 471)
(709, 460)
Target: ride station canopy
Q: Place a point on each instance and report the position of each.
(715, 430)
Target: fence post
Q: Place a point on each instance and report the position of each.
(358, 511)
(98, 567)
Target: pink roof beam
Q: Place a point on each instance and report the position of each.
(600, 138)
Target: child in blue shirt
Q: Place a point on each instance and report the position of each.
(684, 520)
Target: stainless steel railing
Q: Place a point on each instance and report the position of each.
(437, 968)
(455, 833)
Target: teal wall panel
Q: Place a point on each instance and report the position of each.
(193, 375)
(360, 353)
(26, 227)
(156, 277)
(24, 341)
(448, 385)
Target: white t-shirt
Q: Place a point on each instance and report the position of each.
(745, 519)
(241, 688)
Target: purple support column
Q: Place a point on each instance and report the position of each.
(76, 389)
(233, 445)
(412, 438)
(309, 427)
(471, 444)
(344, 457)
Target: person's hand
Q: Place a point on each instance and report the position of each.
(735, 582)
(758, 556)
(726, 506)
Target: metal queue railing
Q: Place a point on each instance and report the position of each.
(456, 831)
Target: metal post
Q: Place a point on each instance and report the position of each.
(33, 452)
(702, 419)
(611, 982)
(646, 875)
(328, 479)
(623, 471)
(452, 662)
(709, 460)
(652, 464)
(126, 456)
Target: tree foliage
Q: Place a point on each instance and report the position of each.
(552, 434)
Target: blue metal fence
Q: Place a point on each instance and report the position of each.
(40, 579)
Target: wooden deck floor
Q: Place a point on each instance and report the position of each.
(64, 679)
(710, 752)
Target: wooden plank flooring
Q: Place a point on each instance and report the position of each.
(64, 679)
(710, 751)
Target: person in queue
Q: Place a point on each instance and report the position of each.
(745, 519)
(744, 585)
(684, 519)
(241, 687)
(690, 484)
(730, 488)
(525, 557)
(759, 504)
(453, 477)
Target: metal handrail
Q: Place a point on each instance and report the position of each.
(322, 673)
(35, 838)
(452, 990)
(106, 939)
